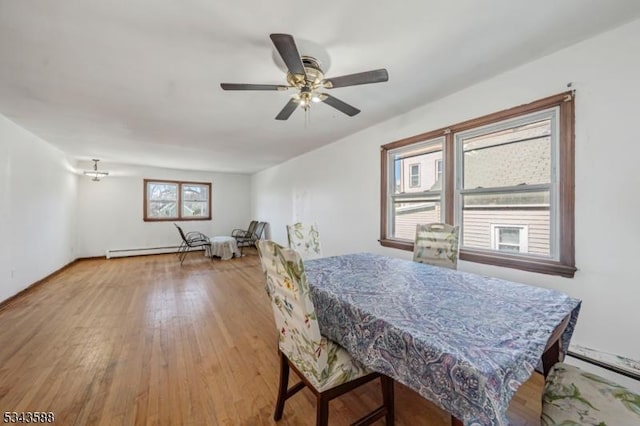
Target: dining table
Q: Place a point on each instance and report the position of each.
(464, 341)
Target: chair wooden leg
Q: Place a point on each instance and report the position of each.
(322, 410)
(282, 387)
(456, 421)
(387, 399)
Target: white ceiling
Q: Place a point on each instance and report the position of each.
(137, 81)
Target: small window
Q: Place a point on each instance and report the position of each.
(438, 169)
(173, 200)
(414, 175)
(510, 238)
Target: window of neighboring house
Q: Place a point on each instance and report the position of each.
(438, 169)
(414, 176)
(510, 238)
(174, 200)
(511, 167)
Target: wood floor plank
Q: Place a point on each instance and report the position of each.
(145, 341)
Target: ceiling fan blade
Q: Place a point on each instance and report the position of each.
(367, 77)
(339, 105)
(240, 86)
(287, 49)
(287, 110)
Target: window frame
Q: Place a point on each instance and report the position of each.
(179, 201)
(564, 263)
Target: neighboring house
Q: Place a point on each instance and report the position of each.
(517, 222)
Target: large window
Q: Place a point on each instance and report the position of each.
(506, 179)
(173, 200)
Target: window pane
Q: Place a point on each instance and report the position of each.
(162, 209)
(407, 214)
(162, 191)
(409, 165)
(415, 175)
(192, 192)
(512, 249)
(509, 235)
(524, 209)
(516, 156)
(195, 208)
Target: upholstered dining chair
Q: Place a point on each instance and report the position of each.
(436, 244)
(323, 366)
(573, 396)
(305, 239)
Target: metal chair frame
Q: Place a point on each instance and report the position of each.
(191, 240)
(251, 236)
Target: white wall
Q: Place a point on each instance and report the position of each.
(37, 209)
(342, 181)
(50, 216)
(110, 212)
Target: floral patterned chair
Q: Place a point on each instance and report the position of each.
(324, 367)
(575, 397)
(305, 239)
(436, 244)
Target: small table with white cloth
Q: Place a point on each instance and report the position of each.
(224, 247)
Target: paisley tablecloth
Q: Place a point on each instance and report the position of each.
(464, 341)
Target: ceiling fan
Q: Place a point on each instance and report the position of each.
(305, 75)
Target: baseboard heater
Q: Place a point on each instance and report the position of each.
(140, 251)
(618, 364)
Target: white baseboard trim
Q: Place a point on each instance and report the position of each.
(142, 251)
(616, 363)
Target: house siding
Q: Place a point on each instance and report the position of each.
(405, 223)
(477, 226)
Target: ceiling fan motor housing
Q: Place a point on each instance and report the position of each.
(314, 74)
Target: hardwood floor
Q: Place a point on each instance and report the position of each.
(144, 341)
